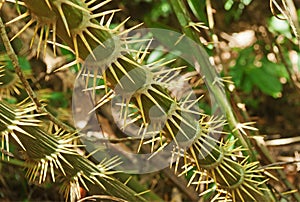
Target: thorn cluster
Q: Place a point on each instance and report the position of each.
(146, 101)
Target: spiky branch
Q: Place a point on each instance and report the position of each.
(74, 22)
(56, 154)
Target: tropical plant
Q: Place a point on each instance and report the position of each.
(225, 163)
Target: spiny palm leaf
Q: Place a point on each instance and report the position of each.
(54, 155)
(74, 22)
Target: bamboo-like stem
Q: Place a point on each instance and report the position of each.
(265, 153)
(179, 7)
(281, 174)
(41, 109)
(210, 74)
(15, 162)
(71, 22)
(42, 147)
(30, 92)
(183, 18)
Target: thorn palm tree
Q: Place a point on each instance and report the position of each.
(226, 164)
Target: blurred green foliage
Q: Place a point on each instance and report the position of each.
(264, 74)
(198, 8)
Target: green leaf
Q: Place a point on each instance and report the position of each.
(57, 99)
(245, 74)
(247, 84)
(280, 26)
(160, 9)
(265, 82)
(243, 63)
(277, 70)
(228, 5)
(25, 65)
(198, 9)
(155, 55)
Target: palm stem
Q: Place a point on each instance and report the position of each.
(210, 74)
(30, 92)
